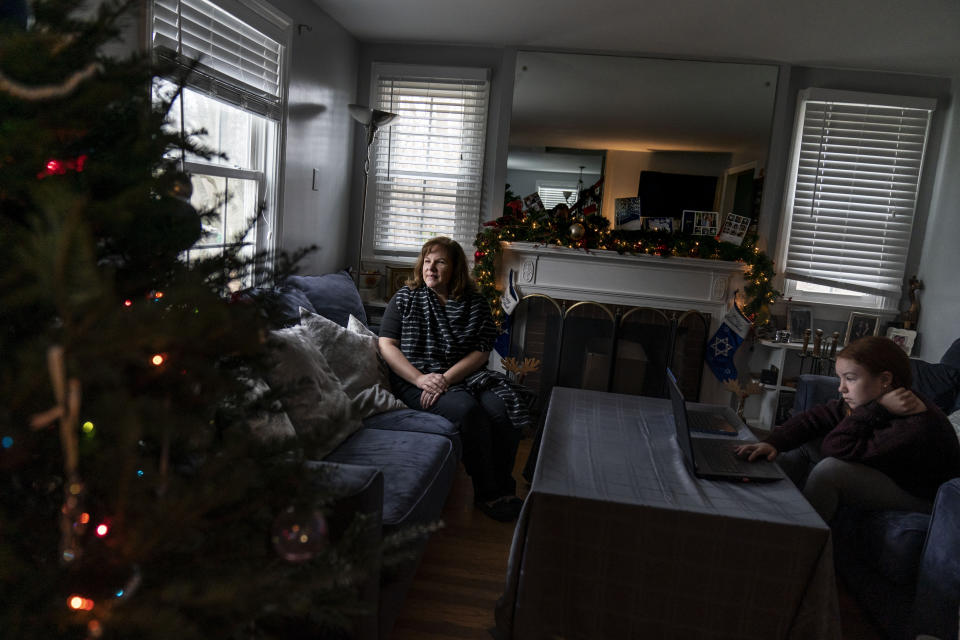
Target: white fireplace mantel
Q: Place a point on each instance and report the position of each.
(607, 277)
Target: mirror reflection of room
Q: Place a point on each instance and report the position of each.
(679, 135)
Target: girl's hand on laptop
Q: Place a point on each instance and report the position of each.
(756, 450)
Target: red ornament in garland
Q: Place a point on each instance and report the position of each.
(478, 255)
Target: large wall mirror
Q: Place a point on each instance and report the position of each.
(578, 117)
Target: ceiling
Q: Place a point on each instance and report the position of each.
(915, 36)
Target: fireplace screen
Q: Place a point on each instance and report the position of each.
(623, 349)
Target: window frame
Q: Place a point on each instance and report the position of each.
(269, 175)
(368, 250)
(868, 299)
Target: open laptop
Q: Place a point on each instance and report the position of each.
(714, 458)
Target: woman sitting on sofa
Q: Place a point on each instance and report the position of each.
(436, 335)
(879, 447)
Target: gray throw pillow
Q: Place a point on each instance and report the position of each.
(270, 426)
(955, 421)
(319, 409)
(355, 359)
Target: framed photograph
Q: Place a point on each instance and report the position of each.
(734, 229)
(903, 337)
(705, 223)
(686, 221)
(396, 278)
(861, 325)
(627, 212)
(660, 224)
(533, 203)
(799, 319)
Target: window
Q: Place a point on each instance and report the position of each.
(427, 168)
(236, 95)
(852, 197)
(553, 193)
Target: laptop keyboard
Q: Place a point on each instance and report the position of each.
(719, 456)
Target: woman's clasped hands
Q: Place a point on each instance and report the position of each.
(433, 386)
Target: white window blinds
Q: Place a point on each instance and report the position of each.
(428, 166)
(552, 196)
(238, 63)
(857, 162)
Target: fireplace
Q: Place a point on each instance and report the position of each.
(604, 347)
(600, 320)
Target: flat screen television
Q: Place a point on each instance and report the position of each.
(667, 195)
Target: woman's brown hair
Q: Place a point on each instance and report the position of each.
(877, 354)
(460, 280)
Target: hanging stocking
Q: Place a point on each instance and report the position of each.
(725, 342)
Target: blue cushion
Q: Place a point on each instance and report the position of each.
(417, 469)
(412, 420)
(893, 542)
(938, 583)
(420, 421)
(334, 296)
(289, 300)
(938, 382)
(952, 355)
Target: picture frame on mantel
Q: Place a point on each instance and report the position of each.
(861, 325)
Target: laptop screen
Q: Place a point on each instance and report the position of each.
(680, 417)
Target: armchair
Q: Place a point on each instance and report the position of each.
(903, 568)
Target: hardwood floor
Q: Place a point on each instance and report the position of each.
(463, 569)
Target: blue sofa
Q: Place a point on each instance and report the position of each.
(398, 468)
(903, 568)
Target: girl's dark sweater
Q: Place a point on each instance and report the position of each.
(918, 452)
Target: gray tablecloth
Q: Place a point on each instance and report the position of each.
(618, 539)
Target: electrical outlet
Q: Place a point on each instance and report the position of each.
(316, 179)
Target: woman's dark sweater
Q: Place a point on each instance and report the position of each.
(918, 452)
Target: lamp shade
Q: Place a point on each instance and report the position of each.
(367, 116)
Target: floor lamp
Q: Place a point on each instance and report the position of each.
(373, 120)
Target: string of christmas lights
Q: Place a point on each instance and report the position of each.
(559, 228)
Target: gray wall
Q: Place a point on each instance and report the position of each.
(940, 259)
(322, 72)
(501, 63)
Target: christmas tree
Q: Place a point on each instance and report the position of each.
(135, 500)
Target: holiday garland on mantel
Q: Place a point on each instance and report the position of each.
(574, 230)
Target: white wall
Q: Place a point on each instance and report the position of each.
(323, 71)
(940, 260)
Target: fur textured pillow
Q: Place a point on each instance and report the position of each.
(268, 425)
(355, 359)
(955, 421)
(321, 412)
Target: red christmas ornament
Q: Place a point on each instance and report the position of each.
(478, 255)
(58, 167)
